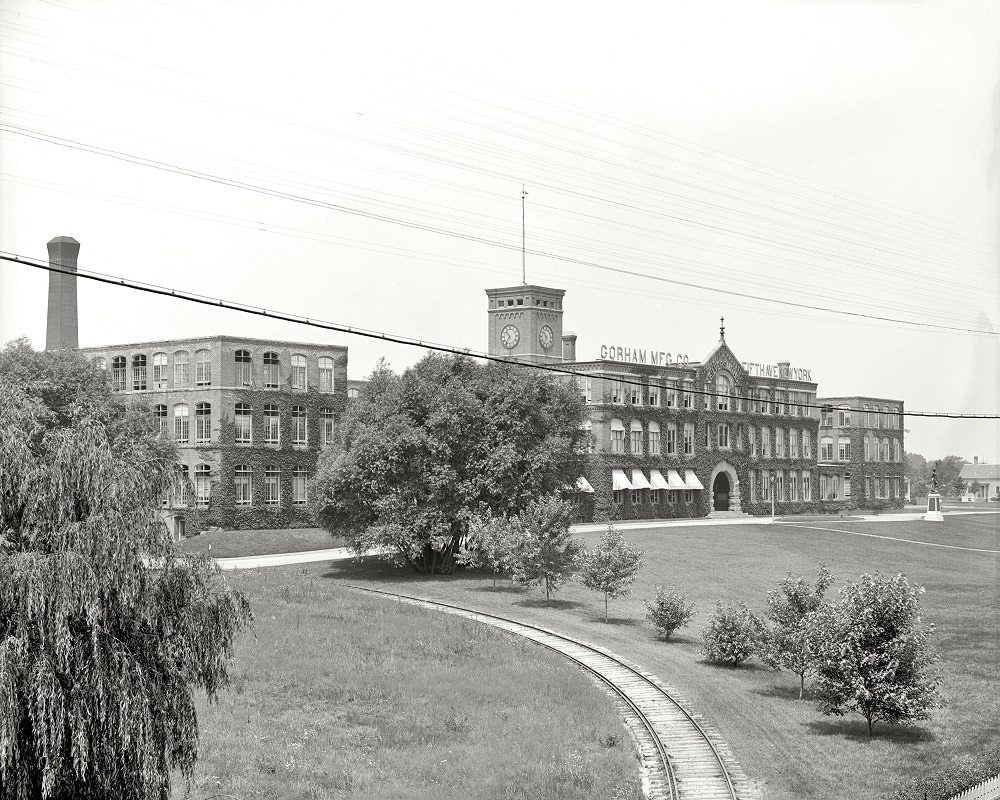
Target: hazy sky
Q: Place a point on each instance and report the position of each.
(842, 155)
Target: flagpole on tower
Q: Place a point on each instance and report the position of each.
(524, 274)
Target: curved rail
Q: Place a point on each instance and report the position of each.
(687, 760)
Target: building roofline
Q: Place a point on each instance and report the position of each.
(221, 338)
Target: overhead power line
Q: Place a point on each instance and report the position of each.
(259, 189)
(387, 337)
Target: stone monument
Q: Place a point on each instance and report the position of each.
(933, 500)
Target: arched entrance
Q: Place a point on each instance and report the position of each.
(720, 492)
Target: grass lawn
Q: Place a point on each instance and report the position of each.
(227, 544)
(344, 695)
(792, 751)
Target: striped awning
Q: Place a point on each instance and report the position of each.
(691, 480)
(656, 480)
(619, 481)
(582, 485)
(639, 480)
(674, 480)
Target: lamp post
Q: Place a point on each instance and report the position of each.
(772, 498)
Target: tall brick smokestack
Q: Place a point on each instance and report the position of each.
(61, 331)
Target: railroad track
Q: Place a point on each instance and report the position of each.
(681, 759)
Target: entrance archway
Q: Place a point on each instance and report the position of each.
(720, 492)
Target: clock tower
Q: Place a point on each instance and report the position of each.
(525, 323)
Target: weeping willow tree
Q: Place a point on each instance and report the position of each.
(100, 655)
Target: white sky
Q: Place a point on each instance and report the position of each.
(842, 155)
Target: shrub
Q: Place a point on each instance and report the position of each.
(732, 635)
(949, 781)
(668, 611)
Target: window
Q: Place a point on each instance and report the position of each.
(865, 420)
(767, 488)
(160, 414)
(352, 393)
(868, 487)
(777, 406)
(671, 439)
(885, 417)
(326, 425)
(298, 372)
(181, 375)
(272, 427)
(826, 417)
(635, 394)
(159, 370)
(868, 449)
(203, 484)
(616, 497)
(793, 485)
(586, 389)
(203, 422)
(688, 396)
(723, 388)
(636, 438)
(203, 368)
(688, 496)
(244, 485)
(244, 368)
(779, 442)
(752, 441)
(897, 450)
(181, 486)
(272, 371)
(670, 395)
(806, 485)
(617, 392)
(894, 420)
(779, 485)
(636, 496)
(138, 373)
(765, 442)
(844, 449)
(119, 367)
(654, 439)
(298, 424)
(723, 437)
(656, 496)
(688, 439)
(654, 395)
(826, 449)
(844, 416)
(299, 476)
(793, 443)
(244, 423)
(326, 374)
(806, 444)
(272, 482)
(617, 436)
(182, 430)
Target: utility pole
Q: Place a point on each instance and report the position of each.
(524, 274)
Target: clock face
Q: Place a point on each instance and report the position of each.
(545, 337)
(510, 336)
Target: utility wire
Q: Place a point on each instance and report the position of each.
(173, 168)
(396, 339)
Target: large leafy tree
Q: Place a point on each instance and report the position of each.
(99, 654)
(873, 653)
(425, 452)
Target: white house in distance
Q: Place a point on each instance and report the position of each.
(986, 475)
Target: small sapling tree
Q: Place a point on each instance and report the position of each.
(732, 635)
(874, 657)
(490, 543)
(788, 608)
(545, 550)
(668, 611)
(611, 567)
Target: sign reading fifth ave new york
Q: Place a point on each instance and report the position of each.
(659, 358)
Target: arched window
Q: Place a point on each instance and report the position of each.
(635, 437)
(654, 438)
(723, 388)
(119, 369)
(826, 449)
(203, 422)
(272, 426)
(617, 436)
(138, 373)
(272, 485)
(181, 375)
(203, 368)
(159, 370)
(203, 484)
(182, 425)
(299, 478)
(160, 413)
(243, 484)
(272, 371)
(298, 424)
(244, 368)
(244, 423)
(326, 374)
(352, 394)
(298, 372)
(326, 425)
